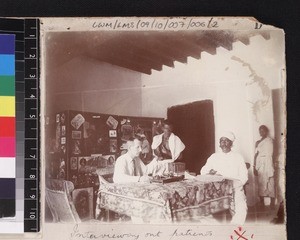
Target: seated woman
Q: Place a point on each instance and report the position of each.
(167, 147)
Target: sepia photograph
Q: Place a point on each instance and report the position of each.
(196, 117)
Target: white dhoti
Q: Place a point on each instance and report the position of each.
(239, 213)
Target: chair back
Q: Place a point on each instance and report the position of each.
(59, 200)
(104, 174)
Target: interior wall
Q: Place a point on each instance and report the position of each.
(239, 82)
(84, 84)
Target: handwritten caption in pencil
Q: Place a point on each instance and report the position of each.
(157, 24)
(78, 234)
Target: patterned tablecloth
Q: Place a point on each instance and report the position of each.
(169, 202)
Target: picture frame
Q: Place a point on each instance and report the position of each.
(73, 163)
(83, 202)
(112, 133)
(113, 145)
(111, 159)
(76, 135)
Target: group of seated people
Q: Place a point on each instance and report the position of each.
(167, 147)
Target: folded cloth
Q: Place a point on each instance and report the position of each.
(175, 144)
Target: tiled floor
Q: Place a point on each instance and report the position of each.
(261, 214)
(255, 215)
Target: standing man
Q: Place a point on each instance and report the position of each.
(167, 145)
(129, 168)
(167, 148)
(230, 165)
(264, 166)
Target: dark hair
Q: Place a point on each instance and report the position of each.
(264, 127)
(131, 139)
(82, 160)
(167, 122)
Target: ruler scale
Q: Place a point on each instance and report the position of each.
(31, 162)
(27, 121)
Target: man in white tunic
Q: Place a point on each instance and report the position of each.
(230, 165)
(264, 166)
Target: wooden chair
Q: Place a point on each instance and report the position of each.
(59, 200)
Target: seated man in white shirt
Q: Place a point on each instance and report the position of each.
(230, 165)
(129, 167)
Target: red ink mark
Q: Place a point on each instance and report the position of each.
(240, 234)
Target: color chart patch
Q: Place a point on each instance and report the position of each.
(7, 126)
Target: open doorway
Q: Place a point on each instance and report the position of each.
(194, 124)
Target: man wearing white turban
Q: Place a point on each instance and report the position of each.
(230, 165)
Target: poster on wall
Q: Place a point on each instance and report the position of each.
(113, 145)
(63, 130)
(112, 133)
(83, 201)
(76, 134)
(73, 163)
(110, 159)
(112, 122)
(77, 121)
(221, 84)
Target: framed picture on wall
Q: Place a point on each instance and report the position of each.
(63, 130)
(83, 201)
(112, 133)
(110, 159)
(76, 134)
(74, 163)
(113, 145)
(112, 122)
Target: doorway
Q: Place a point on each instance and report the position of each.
(194, 124)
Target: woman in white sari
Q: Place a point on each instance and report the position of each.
(264, 167)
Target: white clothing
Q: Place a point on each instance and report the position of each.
(175, 144)
(265, 168)
(231, 165)
(128, 169)
(228, 135)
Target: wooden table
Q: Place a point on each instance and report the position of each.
(171, 202)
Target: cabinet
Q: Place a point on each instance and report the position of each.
(85, 142)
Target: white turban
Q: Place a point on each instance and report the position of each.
(228, 135)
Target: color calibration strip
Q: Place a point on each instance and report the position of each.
(7, 127)
(24, 90)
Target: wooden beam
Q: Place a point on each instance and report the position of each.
(124, 64)
(243, 39)
(114, 57)
(185, 45)
(221, 38)
(206, 44)
(151, 54)
(131, 55)
(160, 46)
